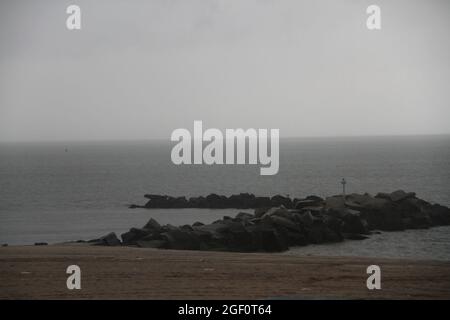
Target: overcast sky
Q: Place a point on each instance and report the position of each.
(140, 69)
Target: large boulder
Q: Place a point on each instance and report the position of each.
(259, 212)
(438, 214)
(323, 229)
(292, 232)
(133, 235)
(386, 218)
(242, 201)
(267, 239)
(152, 225)
(314, 198)
(271, 211)
(279, 200)
(213, 233)
(315, 233)
(156, 201)
(306, 218)
(244, 216)
(335, 225)
(198, 202)
(238, 238)
(107, 240)
(227, 234)
(354, 223)
(216, 201)
(335, 202)
(379, 212)
(181, 240)
(310, 201)
(396, 195)
(364, 201)
(414, 213)
(155, 197)
(262, 202)
(178, 202)
(281, 222)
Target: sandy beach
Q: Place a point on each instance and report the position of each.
(39, 272)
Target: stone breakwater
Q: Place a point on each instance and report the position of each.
(280, 222)
(214, 201)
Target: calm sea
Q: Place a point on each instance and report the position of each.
(67, 191)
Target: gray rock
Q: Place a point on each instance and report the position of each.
(259, 212)
(267, 239)
(278, 221)
(354, 223)
(310, 201)
(279, 200)
(152, 225)
(335, 202)
(274, 211)
(307, 219)
(396, 195)
(135, 234)
(438, 214)
(244, 216)
(186, 227)
(181, 240)
(107, 240)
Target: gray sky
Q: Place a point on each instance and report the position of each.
(140, 69)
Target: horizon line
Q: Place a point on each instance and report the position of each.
(168, 139)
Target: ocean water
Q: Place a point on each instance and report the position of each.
(425, 244)
(50, 194)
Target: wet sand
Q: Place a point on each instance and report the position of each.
(39, 272)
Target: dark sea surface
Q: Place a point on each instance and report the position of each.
(52, 195)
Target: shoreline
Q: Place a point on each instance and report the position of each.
(38, 272)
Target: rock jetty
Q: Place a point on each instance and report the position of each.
(215, 201)
(279, 222)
